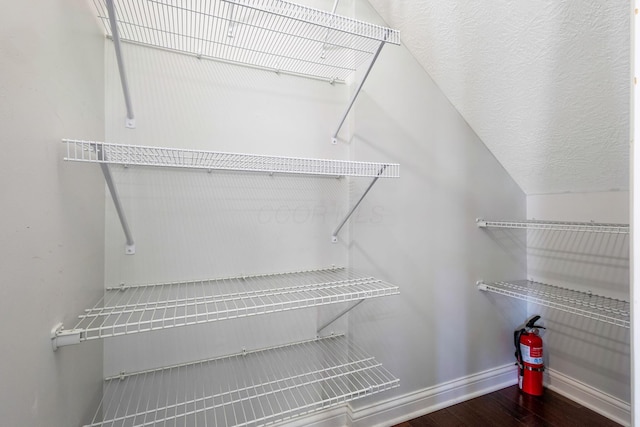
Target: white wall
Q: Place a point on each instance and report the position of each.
(544, 84)
(52, 251)
(199, 225)
(591, 352)
(424, 238)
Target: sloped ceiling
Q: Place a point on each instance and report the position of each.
(545, 84)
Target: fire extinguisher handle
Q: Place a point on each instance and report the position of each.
(532, 323)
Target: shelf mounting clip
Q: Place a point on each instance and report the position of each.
(61, 337)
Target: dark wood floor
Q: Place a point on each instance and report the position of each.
(510, 407)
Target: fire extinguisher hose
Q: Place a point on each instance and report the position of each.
(518, 353)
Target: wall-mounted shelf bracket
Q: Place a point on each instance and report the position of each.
(339, 315)
(130, 121)
(61, 337)
(334, 138)
(334, 235)
(130, 246)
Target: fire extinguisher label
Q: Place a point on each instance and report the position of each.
(531, 355)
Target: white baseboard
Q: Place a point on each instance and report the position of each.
(415, 404)
(589, 397)
(334, 417)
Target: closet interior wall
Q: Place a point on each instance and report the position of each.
(52, 252)
(197, 225)
(440, 336)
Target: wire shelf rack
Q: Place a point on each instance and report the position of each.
(142, 308)
(270, 34)
(591, 227)
(135, 155)
(247, 389)
(584, 304)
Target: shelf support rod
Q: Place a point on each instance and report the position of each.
(130, 247)
(339, 315)
(130, 121)
(334, 138)
(334, 235)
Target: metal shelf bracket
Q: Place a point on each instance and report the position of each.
(130, 247)
(130, 121)
(334, 235)
(334, 138)
(339, 315)
(61, 337)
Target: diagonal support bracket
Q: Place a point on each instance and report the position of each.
(130, 247)
(334, 138)
(339, 315)
(334, 235)
(130, 121)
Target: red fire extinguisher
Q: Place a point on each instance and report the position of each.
(529, 357)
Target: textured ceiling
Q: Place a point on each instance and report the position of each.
(544, 84)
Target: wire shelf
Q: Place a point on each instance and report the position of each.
(584, 304)
(247, 389)
(130, 155)
(270, 34)
(142, 308)
(591, 227)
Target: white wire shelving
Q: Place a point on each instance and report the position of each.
(246, 389)
(107, 154)
(274, 35)
(271, 34)
(142, 308)
(590, 227)
(135, 155)
(586, 304)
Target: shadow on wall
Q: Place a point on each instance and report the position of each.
(181, 101)
(511, 242)
(588, 350)
(590, 262)
(197, 225)
(591, 351)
